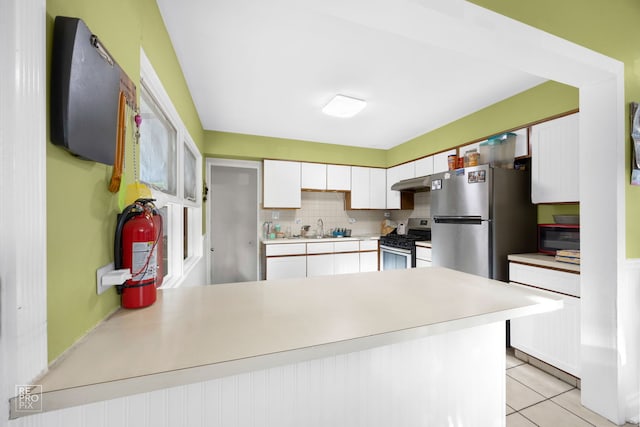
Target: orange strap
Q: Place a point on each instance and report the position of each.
(116, 174)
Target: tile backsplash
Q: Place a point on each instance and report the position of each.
(329, 206)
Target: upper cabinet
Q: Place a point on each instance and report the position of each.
(441, 161)
(314, 176)
(424, 166)
(319, 176)
(367, 188)
(554, 165)
(282, 184)
(395, 174)
(338, 177)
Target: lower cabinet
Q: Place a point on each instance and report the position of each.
(423, 256)
(552, 337)
(368, 261)
(286, 267)
(319, 265)
(295, 260)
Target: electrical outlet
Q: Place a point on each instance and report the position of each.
(298, 221)
(387, 214)
(101, 272)
(275, 214)
(352, 220)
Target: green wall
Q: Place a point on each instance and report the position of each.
(81, 212)
(250, 147)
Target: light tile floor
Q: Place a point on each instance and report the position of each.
(535, 398)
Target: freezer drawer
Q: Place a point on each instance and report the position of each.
(462, 245)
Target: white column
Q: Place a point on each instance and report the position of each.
(23, 256)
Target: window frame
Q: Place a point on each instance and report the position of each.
(178, 266)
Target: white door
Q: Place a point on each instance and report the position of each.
(233, 226)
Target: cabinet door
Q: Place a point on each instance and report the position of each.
(338, 177)
(552, 337)
(522, 142)
(360, 185)
(441, 161)
(422, 263)
(281, 182)
(368, 261)
(286, 267)
(314, 176)
(554, 161)
(424, 166)
(346, 263)
(320, 265)
(378, 188)
(395, 174)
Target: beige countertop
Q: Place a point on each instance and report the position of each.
(543, 260)
(199, 333)
(316, 239)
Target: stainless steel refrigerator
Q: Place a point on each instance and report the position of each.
(479, 216)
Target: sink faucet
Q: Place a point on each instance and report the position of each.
(320, 232)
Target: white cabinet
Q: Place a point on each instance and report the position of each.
(378, 194)
(368, 188)
(328, 258)
(395, 174)
(424, 166)
(344, 263)
(286, 267)
(423, 256)
(282, 184)
(554, 160)
(320, 265)
(522, 142)
(314, 176)
(338, 177)
(441, 161)
(552, 337)
(368, 255)
(285, 261)
(368, 261)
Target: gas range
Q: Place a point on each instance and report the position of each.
(418, 231)
(398, 251)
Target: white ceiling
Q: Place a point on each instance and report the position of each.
(268, 67)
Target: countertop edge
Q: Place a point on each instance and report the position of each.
(65, 398)
(544, 261)
(318, 240)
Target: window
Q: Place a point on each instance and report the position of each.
(170, 164)
(157, 146)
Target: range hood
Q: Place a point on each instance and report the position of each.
(421, 183)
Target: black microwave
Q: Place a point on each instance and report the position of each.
(553, 237)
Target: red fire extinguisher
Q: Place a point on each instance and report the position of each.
(136, 247)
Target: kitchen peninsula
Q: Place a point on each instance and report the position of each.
(404, 347)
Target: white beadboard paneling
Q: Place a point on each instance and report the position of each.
(23, 339)
(455, 377)
(630, 325)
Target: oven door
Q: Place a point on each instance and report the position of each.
(394, 258)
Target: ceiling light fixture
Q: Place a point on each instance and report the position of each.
(344, 106)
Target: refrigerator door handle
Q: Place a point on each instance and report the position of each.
(470, 220)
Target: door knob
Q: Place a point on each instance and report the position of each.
(212, 249)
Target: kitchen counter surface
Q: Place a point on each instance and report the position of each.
(199, 333)
(316, 239)
(543, 260)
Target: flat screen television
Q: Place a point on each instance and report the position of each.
(84, 91)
